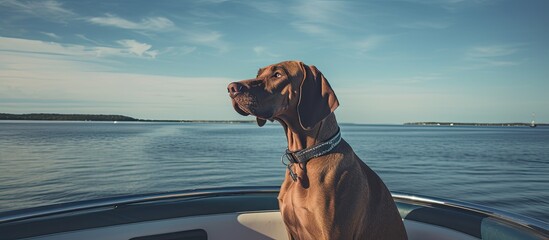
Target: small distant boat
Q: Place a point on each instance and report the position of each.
(115, 122)
(533, 123)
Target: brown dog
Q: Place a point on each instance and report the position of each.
(328, 192)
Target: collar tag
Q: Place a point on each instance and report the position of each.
(288, 156)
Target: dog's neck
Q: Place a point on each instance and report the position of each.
(299, 138)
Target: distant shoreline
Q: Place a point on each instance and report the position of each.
(122, 118)
(99, 118)
(450, 124)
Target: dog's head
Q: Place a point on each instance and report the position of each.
(289, 88)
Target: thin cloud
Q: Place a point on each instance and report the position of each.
(452, 4)
(426, 25)
(137, 48)
(317, 17)
(318, 11)
(419, 79)
(204, 37)
(370, 43)
(266, 7)
(207, 38)
(52, 35)
(491, 51)
(128, 48)
(184, 50)
(262, 51)
(491, 56)
(311, 28)
(212, 1)
(82, 36)
(148, 24)
(50, 9)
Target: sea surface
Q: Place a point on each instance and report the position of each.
(43, 163)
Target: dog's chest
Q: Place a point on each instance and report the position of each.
(301, 209)
(295, 211)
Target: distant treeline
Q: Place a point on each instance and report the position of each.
(65, 117)
(473, 124)
(99, 117)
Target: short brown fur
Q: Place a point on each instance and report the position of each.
(336, 196)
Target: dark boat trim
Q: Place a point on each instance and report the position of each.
(527, 222)
(473, 211)
(460, 216)
(114, 202)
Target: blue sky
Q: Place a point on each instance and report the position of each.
(388, 61)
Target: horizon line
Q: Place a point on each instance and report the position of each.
(132, 119)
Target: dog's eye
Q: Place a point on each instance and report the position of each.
(277, 75)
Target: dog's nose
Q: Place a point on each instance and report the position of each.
(234, 89)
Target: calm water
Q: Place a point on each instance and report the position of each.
(50, 162)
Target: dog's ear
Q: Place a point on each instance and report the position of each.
(260, 121)
(316, 99)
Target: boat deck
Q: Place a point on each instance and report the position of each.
(241, 213)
